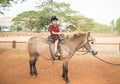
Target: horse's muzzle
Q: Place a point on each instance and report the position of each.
(94, 53)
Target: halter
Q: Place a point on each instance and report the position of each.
(84, 46)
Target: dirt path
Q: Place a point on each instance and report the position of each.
(14, 69)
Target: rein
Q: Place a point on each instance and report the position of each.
(66, 49)
(106, 61)
(98, 57)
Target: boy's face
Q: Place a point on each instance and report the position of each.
(54, 22)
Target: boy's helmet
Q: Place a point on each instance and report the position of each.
(53, 18)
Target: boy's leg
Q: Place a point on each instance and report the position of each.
(56, 45)
(56, 48)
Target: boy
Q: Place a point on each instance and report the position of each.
(54, 31)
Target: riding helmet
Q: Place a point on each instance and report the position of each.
(53, 18)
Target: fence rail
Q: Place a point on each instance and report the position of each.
(26, 42)
(107, 43)
(14, 43)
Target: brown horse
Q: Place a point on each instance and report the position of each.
(38, 47)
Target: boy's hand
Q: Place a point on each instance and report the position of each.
(60, 33)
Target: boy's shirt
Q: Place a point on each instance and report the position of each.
(53, 28)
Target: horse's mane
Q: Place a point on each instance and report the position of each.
(72, 35)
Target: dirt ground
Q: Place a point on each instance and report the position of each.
(83, 69)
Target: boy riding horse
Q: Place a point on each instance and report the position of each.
(54, 31)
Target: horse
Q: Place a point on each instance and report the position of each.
(73, 42)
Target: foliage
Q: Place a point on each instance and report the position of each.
(26, 19)
(112, 26)
(47, 9)
(118, 25)
(69, 19)
(16, 28)
(41, 18)
(81, 23)
(7, 3)
(115, 26)
(101, 28)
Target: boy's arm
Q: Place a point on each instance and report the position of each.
(50, 28)
(56, 32)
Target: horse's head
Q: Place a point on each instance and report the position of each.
(89, 44)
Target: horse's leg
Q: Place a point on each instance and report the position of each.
(34, 65)
(32, 62)
(65, 72)
(31, 67)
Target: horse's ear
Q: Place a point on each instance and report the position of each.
(88, 34)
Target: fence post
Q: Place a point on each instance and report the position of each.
(13, 44)
(119, 47)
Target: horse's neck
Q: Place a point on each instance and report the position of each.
(72, 45)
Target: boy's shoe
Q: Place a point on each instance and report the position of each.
(57, 53)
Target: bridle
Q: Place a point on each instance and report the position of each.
(87, 44)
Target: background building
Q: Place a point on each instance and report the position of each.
(5, 23)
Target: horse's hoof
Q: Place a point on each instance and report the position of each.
(63, 76)
(67, 82)
(36, 75)
(31, 74)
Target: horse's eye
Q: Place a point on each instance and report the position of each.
(92, 42)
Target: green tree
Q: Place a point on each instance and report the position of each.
(19, 28)
(118, 25)
(7, 3)
(16, 28)
(41, 18)
(27, 19)
(71, 19)
(81, 23)
(101, 28)
(47, 9)
(112, 25)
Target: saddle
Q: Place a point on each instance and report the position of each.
(51, 41)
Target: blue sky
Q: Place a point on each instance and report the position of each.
(102, 11)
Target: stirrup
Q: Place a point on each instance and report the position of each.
(57, 54)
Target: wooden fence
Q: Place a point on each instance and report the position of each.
(15, 42)
(8, 34)
(109, 44)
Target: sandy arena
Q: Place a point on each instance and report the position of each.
(83, 69)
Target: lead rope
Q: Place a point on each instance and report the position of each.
(102, 59)
(106, 61)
